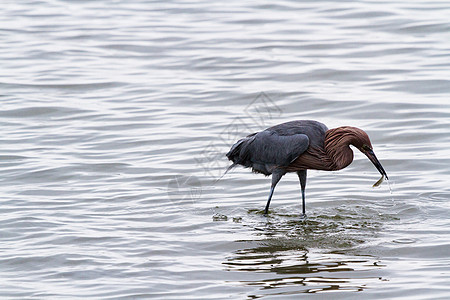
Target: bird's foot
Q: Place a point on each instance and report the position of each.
(303, 217)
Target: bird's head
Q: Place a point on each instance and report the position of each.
(345, 136)
(360, 140)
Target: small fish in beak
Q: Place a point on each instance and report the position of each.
(371, 156)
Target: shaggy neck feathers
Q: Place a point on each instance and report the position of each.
(337, 142)
(335, 154)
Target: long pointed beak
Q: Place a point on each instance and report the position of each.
(376, 162)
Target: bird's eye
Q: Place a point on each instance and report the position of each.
(365, 147)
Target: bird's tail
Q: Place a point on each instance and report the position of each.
(239, 152)
(226, 171)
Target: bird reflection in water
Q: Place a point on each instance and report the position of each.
(319, 254)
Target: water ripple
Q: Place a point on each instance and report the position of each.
(116, 116)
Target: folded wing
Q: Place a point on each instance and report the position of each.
(267, 150)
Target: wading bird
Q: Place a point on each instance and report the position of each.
(298, 146)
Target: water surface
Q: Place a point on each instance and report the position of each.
(116, 116)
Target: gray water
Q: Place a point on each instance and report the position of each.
(116, 116)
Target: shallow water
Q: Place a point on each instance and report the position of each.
(116, 117)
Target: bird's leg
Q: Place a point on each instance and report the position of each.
(302, 176)
(276, 176)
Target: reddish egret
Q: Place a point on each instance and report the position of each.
(298, 146)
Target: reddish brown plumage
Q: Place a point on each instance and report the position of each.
(335, 154)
